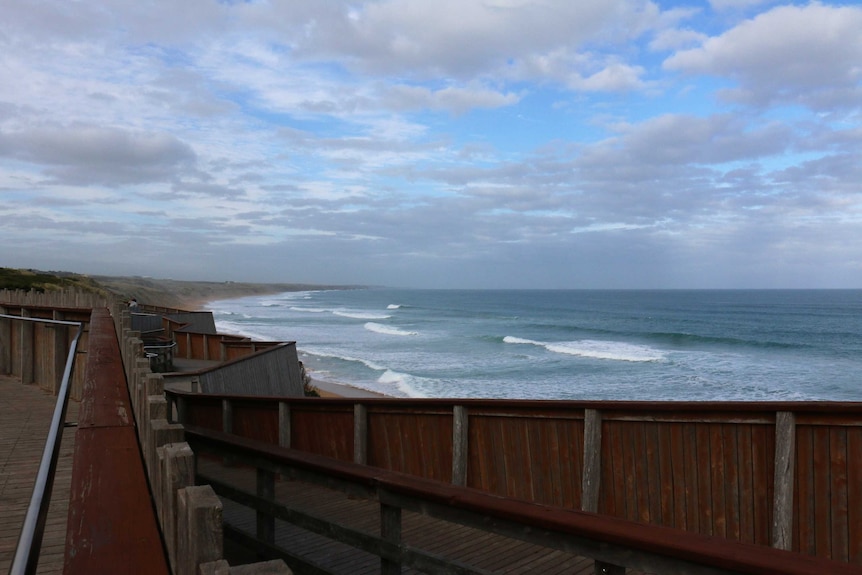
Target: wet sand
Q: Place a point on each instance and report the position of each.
(330, 389)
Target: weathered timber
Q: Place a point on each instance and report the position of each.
(112, 524)
(199, 538)
(612, 541)
(726, 469)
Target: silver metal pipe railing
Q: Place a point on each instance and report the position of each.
(30, 540)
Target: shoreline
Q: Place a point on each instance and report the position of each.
(194, 299)
(324, 388)
(194, 295)
(330, 389)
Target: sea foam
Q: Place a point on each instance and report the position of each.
(360, 314)
(387, 330)
(401, 381)
(596, 349)
(322, 353)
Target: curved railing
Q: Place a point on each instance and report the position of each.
(30, 539)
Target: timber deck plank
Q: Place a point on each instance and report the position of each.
(480, 549)
(23, 430)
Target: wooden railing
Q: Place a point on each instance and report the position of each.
(112, 523)
(784, 475)
(36, 351)
(614, 543)
(116, 523)
(65, 298)
(189, 515)
(217, 347)
(28, 548)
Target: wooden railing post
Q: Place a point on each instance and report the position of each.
(592, 477)
(155, 411)
(182, 410)
(199, 528)
(227, 416)
(390, 532)
(785, 467)
(26, 349)
(283, 424)
(139, 386)
(5, 343)
(460, 442)
(265, 490)
(155, 406)
(160, 433)
(177, 466)
(59, 347)
(360, 434)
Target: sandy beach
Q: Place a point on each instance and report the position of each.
(330, 389)
(196, 295)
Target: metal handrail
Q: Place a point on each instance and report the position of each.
(30, 541)
(166, 346)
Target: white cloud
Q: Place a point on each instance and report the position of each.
(676, 38)
(455, 99)
(458, 39)
(613, 77)
(807, 55)
(91, 154)
(379, 137)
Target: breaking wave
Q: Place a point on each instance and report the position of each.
(387, 330)
(595, 349)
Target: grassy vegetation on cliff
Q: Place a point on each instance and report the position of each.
(39, 281)
(191, 294)
(170, 293)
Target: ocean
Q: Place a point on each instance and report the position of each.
(698, 345)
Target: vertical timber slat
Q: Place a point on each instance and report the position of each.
(390, 532)
(283, 424)
(592, 460)
(266, 521)
(785, 443)
(460, 438)
(360, 434)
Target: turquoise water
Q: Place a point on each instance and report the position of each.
(623, 345)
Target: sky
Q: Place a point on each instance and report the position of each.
(435, 143)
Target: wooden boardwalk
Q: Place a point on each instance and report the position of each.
(486, 551)
(27, 412)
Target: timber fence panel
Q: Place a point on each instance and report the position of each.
(414, 441)
(718, 469)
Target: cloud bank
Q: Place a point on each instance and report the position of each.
(478, 143)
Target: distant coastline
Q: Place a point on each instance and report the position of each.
(194, 295)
